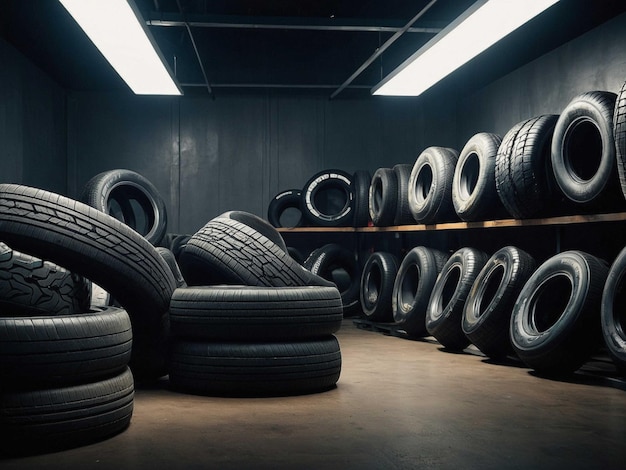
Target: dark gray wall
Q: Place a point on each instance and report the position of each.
(32, 124)
(236, 152)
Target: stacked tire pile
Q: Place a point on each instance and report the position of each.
(252, 320)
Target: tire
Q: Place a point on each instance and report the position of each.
(46, 420)
(613, 320)
(170, 259)
(102, 249)
(555, 324)
(383, 197)
(430, 186)
(361, 181)
(64, 350)
(226, 251)
(296, 254)
(244, 313)
(31, 286)
(178, 243)
(474, 193)
(619, 134)
(258, 224)
(379, 274)
(130, 198)
(583, 148)
(444, 313)
(250, 369)
(487, 314)
(289, 199)
(338, 265)
(524, 176)
(403, 213)
(414, 282)
(327, 199)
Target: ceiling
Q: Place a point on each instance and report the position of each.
(218, 45)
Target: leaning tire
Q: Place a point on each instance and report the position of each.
(487, 314)
(583, 148)
(258, 224)
(170, 259)
(337, 264)
(51, 419)
(283, 201)
(379, 274)
(447, 301)
(412, 287)
(383, 197)
(31, 286)
(430, 186)
(474, 193)
(104, 250)
(258, 368)
(244, 313)
(226, 251)
(403, 213)
(327, 199)
(130, 198)
(555, 324)
(613, 316)
(65, 349)
(361, 181)
(619, 133)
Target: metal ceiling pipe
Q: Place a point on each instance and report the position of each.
(347, 28)
(382, 49)
(195, 48)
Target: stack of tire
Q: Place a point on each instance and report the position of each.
(252, 320)
(330, 198)
(64, 370)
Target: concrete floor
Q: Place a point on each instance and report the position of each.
(399, 404)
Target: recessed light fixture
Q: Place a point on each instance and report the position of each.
(116, 29)
(478, 28)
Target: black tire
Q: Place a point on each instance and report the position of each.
(130, 198)
(31, 286)
(296, 254)
(555, 324)
(102, 249)
(474, 193)
(613, 316)
(283, 201)
(619, 134)
(583, 148)
(524, 176)
(46, 420)
(447, 301)
(170, 259)
(412, 287)
(379, 274)
(487, 314)
(226, 251)
(65, 349)
(327, 199)
(430, 186)
(245, 313)
(383, 197)
(248, 369)
(178, 243)
(258, 224)
(403, 213)
(337, 264)
(361, 181)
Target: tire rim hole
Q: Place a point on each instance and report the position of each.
(424, 183)
(408, 290)
(374, 283)
(469, 175)
(131, 206)
(491, 288)
(450, 287)
(550, 303)
(583, 150)
(330, 200)
(619, 305)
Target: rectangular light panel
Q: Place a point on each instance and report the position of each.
(114, 26)
(478, 28)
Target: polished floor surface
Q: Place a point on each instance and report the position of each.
(399, 404)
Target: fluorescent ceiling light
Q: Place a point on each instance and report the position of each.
(115, 27)
(478, 28)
